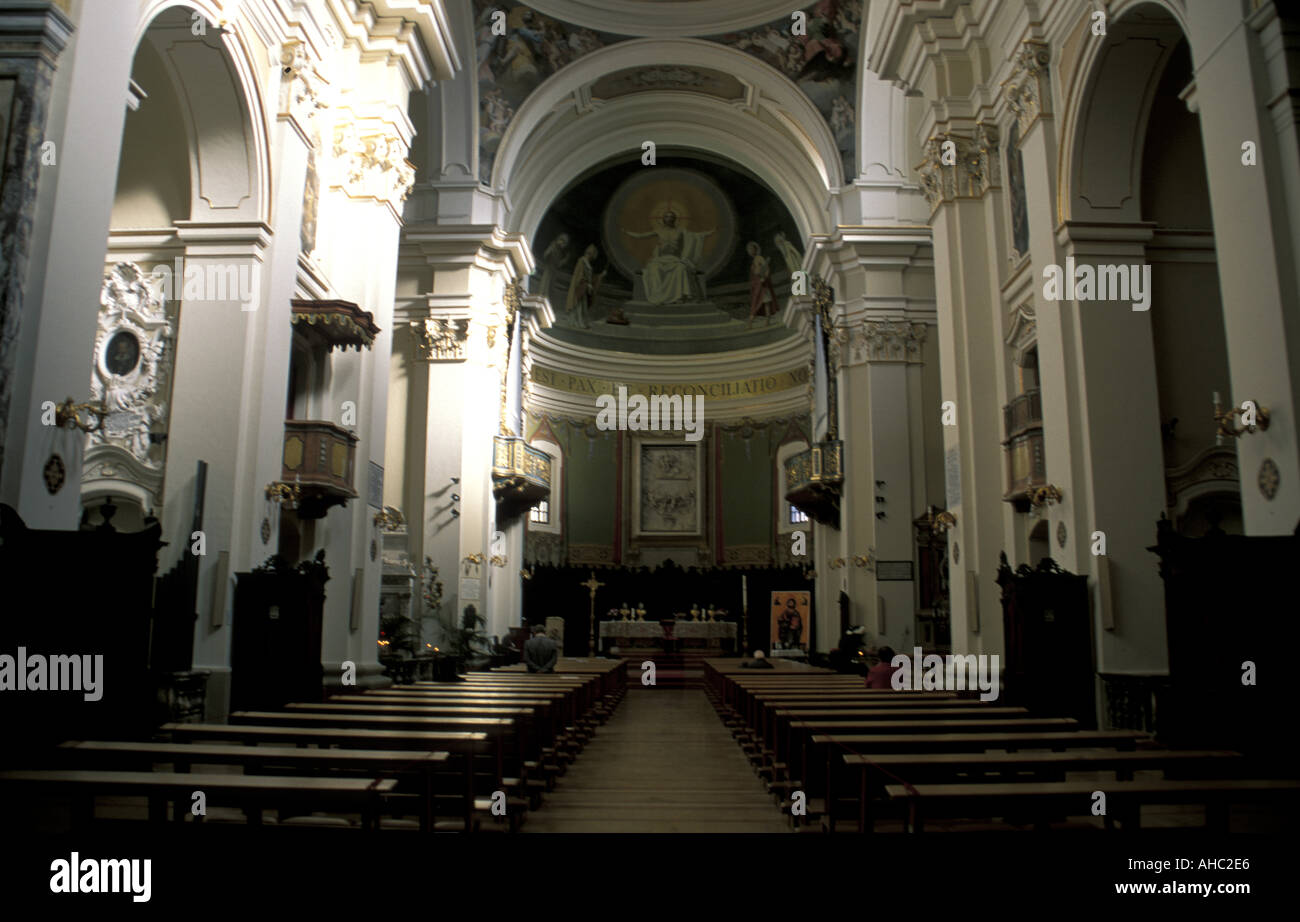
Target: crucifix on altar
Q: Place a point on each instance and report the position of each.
(592, 584)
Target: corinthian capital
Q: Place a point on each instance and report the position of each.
(890, 341)
(1026, 90)
(302, 88)
(957, 166)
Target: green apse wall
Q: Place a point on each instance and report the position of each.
(747, 481)
(748, 485)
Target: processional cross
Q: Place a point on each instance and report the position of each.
(592, 584)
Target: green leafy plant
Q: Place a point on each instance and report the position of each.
(469, 640)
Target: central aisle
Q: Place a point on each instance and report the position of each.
(663, 763)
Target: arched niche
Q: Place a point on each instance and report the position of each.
(1107, 113)
(211, 102)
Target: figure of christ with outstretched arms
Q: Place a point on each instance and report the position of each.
(669, 273)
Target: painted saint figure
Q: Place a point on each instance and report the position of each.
(793, 258)
(669, 275)
(762, 299)
(583, 287)
(552, 258)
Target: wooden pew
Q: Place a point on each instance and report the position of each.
(813, 762)
(506, 744)
(530, 734)
(249, 792)
(878, 770)
(141, 756)
(1124, 799)
(585, 695)
(463, 746)
(574, 723)
(781, 719)
(818, 748)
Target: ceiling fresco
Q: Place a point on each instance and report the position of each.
(822, 62)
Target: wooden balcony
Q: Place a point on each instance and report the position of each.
(521, 475)
(321, 459)
(814, 482)
(1022, 421)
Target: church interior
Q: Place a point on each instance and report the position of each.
(483, 420)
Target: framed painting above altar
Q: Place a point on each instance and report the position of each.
(790, 612)
(667, 489)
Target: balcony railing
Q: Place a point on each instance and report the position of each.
(321, 459)
(521, 475)
(814, 481)
(1022, 421)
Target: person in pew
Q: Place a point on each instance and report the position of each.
(540, 652)
(878, 676)
(758, 662)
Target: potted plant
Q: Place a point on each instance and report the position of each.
(469, 642)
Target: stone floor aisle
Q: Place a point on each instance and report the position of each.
(663, 763)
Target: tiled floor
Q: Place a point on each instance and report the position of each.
(663, 763)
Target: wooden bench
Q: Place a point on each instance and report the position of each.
(780, 719)
(508, 746)
(531, 735)
(1124, 799)
(462, 746)
(945, 767)
(131, 755)
(814, 763)
(247, 792)
(818, 763)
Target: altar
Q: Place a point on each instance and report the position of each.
(662, 634)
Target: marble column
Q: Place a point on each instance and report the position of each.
(958, 172)
(1245, 90)
(66, 228)
(32, 35)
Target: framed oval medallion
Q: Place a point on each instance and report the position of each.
(122, 353)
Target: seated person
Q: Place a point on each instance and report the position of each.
(540, 652)
(878, 676)
(758, 662)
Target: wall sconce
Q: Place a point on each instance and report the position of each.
(868, 562)
(69, 412)
(525, 573)
(838, 563)
(1248, 409)
(389, 518)
(497, 560)
(474, 558)
(809, 574)
(1046, 495)
(277, 491)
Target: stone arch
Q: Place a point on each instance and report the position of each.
(1108, 109)
(212, 79)
(775, 132)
